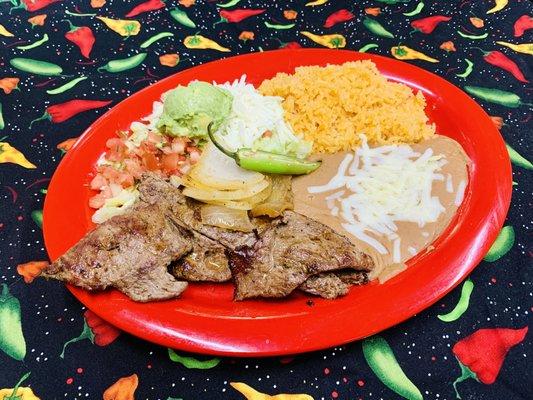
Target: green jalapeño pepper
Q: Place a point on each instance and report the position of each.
(266, 162)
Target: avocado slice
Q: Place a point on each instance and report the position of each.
(503, 243)
(517, 159)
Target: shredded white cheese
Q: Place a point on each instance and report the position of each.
(382, 186)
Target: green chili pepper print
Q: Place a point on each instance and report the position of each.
(33, 45)
(229, 4)
(279, 26)
(66, 86)
(468, 70)
(501, 246)
(376, 28)
(78, 14)
(36, 67)
(11, 337)
(419, 7)
(462, 304)
(382, 361)
(155, 38)
(123, 64)
(473, 37)
(86, 333)
(192, 363)
(37, 216)
(392, 2)
(367, 47)
(496, 96)
(2, 122)
(182, 18)
(518, 159)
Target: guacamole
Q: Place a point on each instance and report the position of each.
(187, 110)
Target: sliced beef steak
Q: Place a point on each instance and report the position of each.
(331, 285)
(288, 253)
(206, 263)
(130, 252)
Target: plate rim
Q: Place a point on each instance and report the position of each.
(184, 343)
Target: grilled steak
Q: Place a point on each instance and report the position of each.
(130, 252)
(333, 284)
(163, 233)
(288, 253)
(206, 263)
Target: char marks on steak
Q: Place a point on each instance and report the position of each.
(130, 252)
(331, 285)
(293, 249)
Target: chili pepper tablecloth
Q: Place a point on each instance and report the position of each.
(53, 348)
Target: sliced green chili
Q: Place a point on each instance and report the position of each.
(66, 86)
(382, 361)
(376, 28)
(33, 45)
(518, 159)
(474, 37)
(279, 26)
(468, 70)
(123, 64)
(37, 216)
(192, 363)
(419, 7)
(266, 162)
(229, 4)
(2, 122)
(462, 304)
(155, 38)
(36, 67)
(181, 17)
(497, 96)
(367, 47)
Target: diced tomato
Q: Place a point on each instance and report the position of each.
(125, 179)
(98, 182)
(133, 167)
(170, 162)
(97, 201)
(150, 161)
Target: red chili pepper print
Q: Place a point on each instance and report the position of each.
(522, 24)
(428, 24)
(104, 333)
(337, 17)
(81, 36)
(64, 111)
(150, 5)
(238, 15)
(34, 5)
(498, 59)
(481, 354)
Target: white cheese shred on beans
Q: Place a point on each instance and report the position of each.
(378, 187)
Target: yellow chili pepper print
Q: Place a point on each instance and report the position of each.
(526, 48)
(252, 394)
(406, 53)
(500, 5)
(316, 3)
(334, 41)
(23, 393)
(5, 32)
(124, 27)
(18, 392)
(201, 42)
(9, 154)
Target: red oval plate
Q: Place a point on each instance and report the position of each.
(205, 319)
